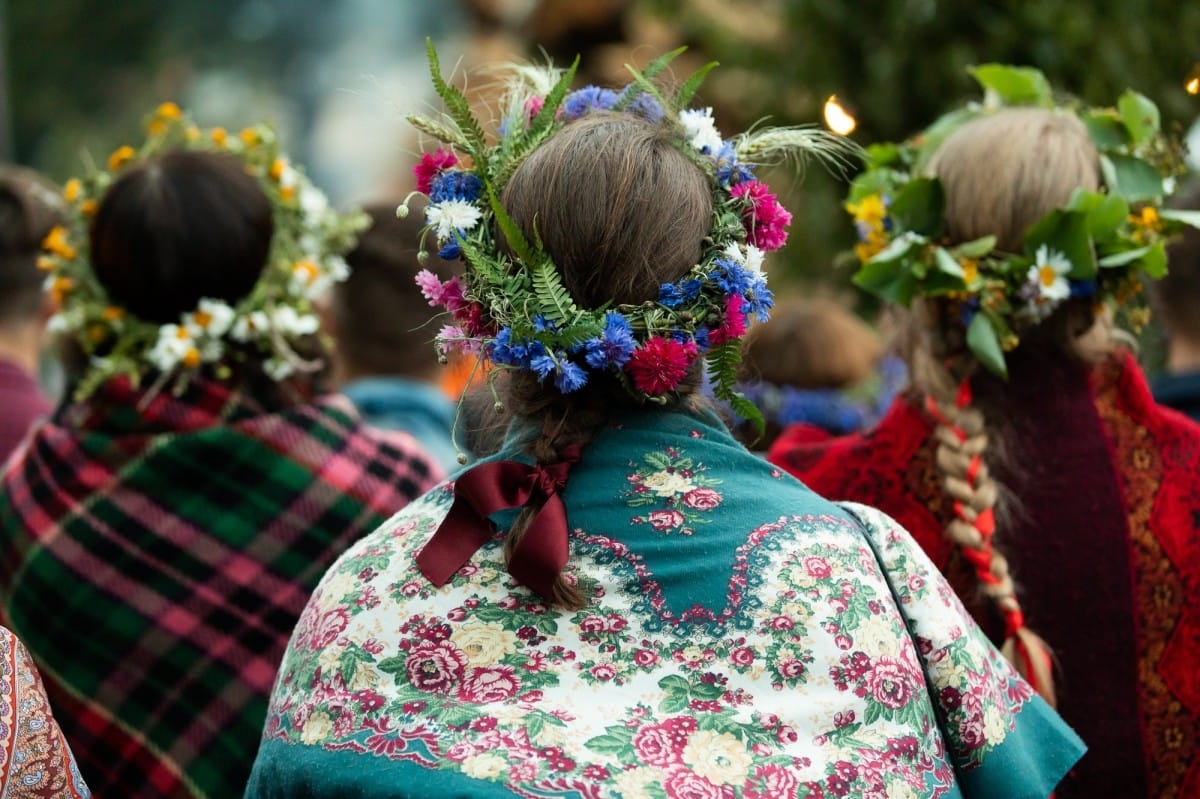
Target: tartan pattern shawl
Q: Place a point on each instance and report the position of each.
(156, 556)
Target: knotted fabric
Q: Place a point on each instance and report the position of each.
(500, 485)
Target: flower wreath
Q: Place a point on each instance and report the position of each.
(305, 258)
(513, 308)
(1098, 245)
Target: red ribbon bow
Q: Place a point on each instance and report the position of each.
(500, 485)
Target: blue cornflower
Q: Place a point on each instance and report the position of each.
(733, 278)
(729, 171)
(701, 339)
(502, 350)
(542, 325)
(570, 377)
(543, 364)
(589, 98)
(450, 252)
(670, 295)
(759, 299)
(455, 185)
(967, 310)
(646, 107)
(613, 346)
(1082, 288)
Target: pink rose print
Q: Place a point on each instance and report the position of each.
(686, 785)
(702, 499)
(742, 656)
(662, 744)
(604, 672)
(665, 519)
(791, 669)
(890, 683)
(436, 666)
(490, 684)
(772, 781)
(331, 625)
(817, 567)
(645, 657)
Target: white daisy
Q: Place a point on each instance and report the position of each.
(277, 368)
(1046, 284)
(175, 344)
(251, 326)
(700, 129)
(286, 320)
(211, 318)
(450, 216)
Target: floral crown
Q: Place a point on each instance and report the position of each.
(511, 305)
(1097, 246)
(305, 258)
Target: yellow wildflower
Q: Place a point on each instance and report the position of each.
(59, 288)
(287, 192)
(156, 127)
(56, 242)
(249, 137)
(168, 110)
(219, 136)
(121, 156)
(276, 170)
(191, 358)
(874, 244)
(871, 210)
(112, 313)
(970, 267)
(1145, 222)
(72, 190)
(88, 208)
(306, 272)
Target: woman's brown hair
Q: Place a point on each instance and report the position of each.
(1001, 174)
(620, 210)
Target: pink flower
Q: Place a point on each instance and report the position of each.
(592, 624)
(665, 519)
(734, 324)
(658, 365)
(490, 684)
(771, 781)
(645, 658)
(662, 744)
(742, 656)
(430, 286)
(533, 106)
(702, 499)
(604, 672)
(890, 683)
(817, 567)
(330, 626)
(791, 669)
(686, 785)
(765, 220)
(435, 666)
(430, 165)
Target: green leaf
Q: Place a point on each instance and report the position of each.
(887, 276)
(392, 665)
(1108, 132)
(920, 207)
(706, 691)
(982, 339)
(456, 713)
(674, 703)
(1140, 115)
(1066, 232)
(1155, 262)
(512, 233)
(1179, 215)
(1014, 85)
(976, 248)
(655, 67)
(1105, 212)
(552, 296)
(1122, 258)
(545, 118)
(1132, 178)
(609, 744)
(689, 88)
(947, 263)
(881, 155)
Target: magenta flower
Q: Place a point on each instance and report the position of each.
(533, 107)
(733, 326)
(436, 667)
(766, 220)
(658, 365)
(430, 166)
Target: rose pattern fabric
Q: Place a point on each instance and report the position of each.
(815, 652)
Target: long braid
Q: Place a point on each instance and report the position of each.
(563, 424)
(961, 446)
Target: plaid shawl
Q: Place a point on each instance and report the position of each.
(155, 559)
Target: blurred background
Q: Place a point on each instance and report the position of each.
(338, 76)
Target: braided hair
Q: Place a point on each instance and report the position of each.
(620, 210)
(1001, 173)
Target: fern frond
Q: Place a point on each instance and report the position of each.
(554, 301)
(690, 86)
(458, 109)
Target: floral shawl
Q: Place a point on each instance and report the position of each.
(744, 638)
